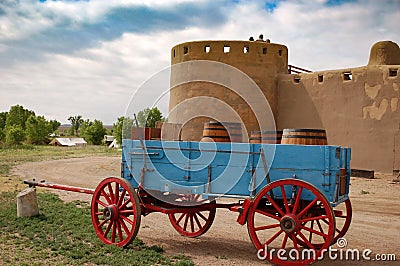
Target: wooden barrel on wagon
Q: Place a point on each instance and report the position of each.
(215, 131)
(268, 137)
(222, 132)
(304, 136)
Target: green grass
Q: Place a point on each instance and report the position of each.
(63, 235)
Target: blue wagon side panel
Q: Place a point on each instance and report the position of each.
(234, 169)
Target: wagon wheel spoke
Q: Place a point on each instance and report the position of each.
(294, 240)
(312, 227)
(273, 237)
(131, 222)
(277, 208)
(117, 220)
(305, 240)
(127, 212)
(268, 214)
(285, 238)
(108, 229)
(202, 216)
(121, 198)
(103, 223)
(297, 201)
(101, 203)
(303, 211)
(111, 193)
(106, 196)
(114, 229)
(186, 221)
(314, 232)
(319, 226)
(265, 227)
(197, 220)
(180, 218)
(285, 202)
(120, 237)
(312, 219)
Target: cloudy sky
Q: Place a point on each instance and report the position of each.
(63, 58)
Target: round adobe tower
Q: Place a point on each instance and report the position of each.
(384, 53)
(261, 61)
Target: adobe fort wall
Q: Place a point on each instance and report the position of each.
(358, 107)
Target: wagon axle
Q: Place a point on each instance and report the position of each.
(289, 223)
(111, 212)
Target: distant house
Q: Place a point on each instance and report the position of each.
(108, 139)
(68, 142)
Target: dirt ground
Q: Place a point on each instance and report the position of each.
(375, 224)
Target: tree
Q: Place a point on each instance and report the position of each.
(54, 125)
(76, 122)
(15, 135)
(93, 132)
(122, 128)
(18, 116)
(38, 129)
(148, 117)
(3, 118)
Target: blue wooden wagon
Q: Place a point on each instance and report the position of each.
(290, 196)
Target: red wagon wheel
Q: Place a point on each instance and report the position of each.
(115, 211)
(191, 221)
(343, 220)
(277, 219)
(343, 215)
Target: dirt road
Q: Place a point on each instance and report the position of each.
(375, 224)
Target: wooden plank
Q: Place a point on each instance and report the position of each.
(363, 173)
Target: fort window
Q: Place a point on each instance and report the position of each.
(347, 76)
(296, 79)
(207, 48)
(392, 72)
(280, 52)
(185, 49)
(320, 78)
(227, 49)
(246, 49)
(265, 50)
(174, 52)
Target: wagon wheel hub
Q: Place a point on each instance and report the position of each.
(110, 212)
(289, 223)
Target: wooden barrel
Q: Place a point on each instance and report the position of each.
(234, 131)
(269, 137)
(303, 136)
(215, 131)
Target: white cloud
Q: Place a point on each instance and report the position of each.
(97, 81)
